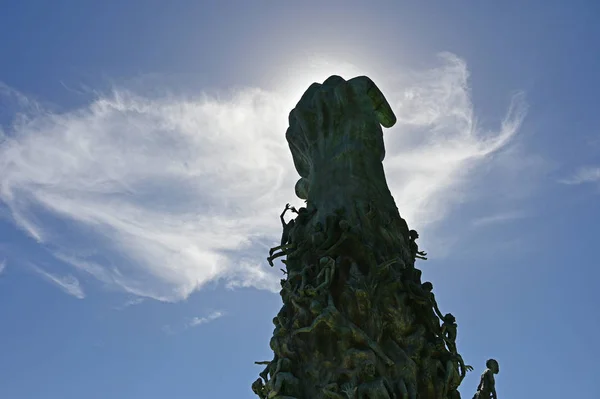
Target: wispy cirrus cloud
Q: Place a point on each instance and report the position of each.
(129, 303)
(166, 194)
(583, 175)
(68, 283)
(193, 322)
(196, 321)
(2, 266)
(437, 141)
(498, 218)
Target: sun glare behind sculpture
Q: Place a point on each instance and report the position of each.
(300, 74)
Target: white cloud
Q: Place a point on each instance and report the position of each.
(129, 303)
(69, 284)
(498, 218)
(2, 266)
(176, 192)
(196, 321)
(193, 322)
(437, 140)
(584, 175)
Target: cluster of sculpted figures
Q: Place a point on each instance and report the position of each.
(357, 322)
(350, 328)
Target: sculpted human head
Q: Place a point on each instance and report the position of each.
(449, 318)
(325, 260)
(344, 225)
(493, 365)
(369, 369)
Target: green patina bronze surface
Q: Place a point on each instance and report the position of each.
(356, 321)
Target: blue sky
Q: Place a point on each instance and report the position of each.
(143, 167)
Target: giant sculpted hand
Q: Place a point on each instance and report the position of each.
(336, 141)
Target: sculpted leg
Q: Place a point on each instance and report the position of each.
(335, 246)
(315, 324)
(402, 388)
(412, 391)
(300, 249)
(283, 252)
(359, 336)
(279, 247)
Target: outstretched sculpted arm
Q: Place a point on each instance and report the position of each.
(437, 310)
(435, 306)
(287, 207)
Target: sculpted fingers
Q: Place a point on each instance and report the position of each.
(381, 107)
(384, 112)
(307, 97)
(344, 94)
(334, 81)
(314, 124)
